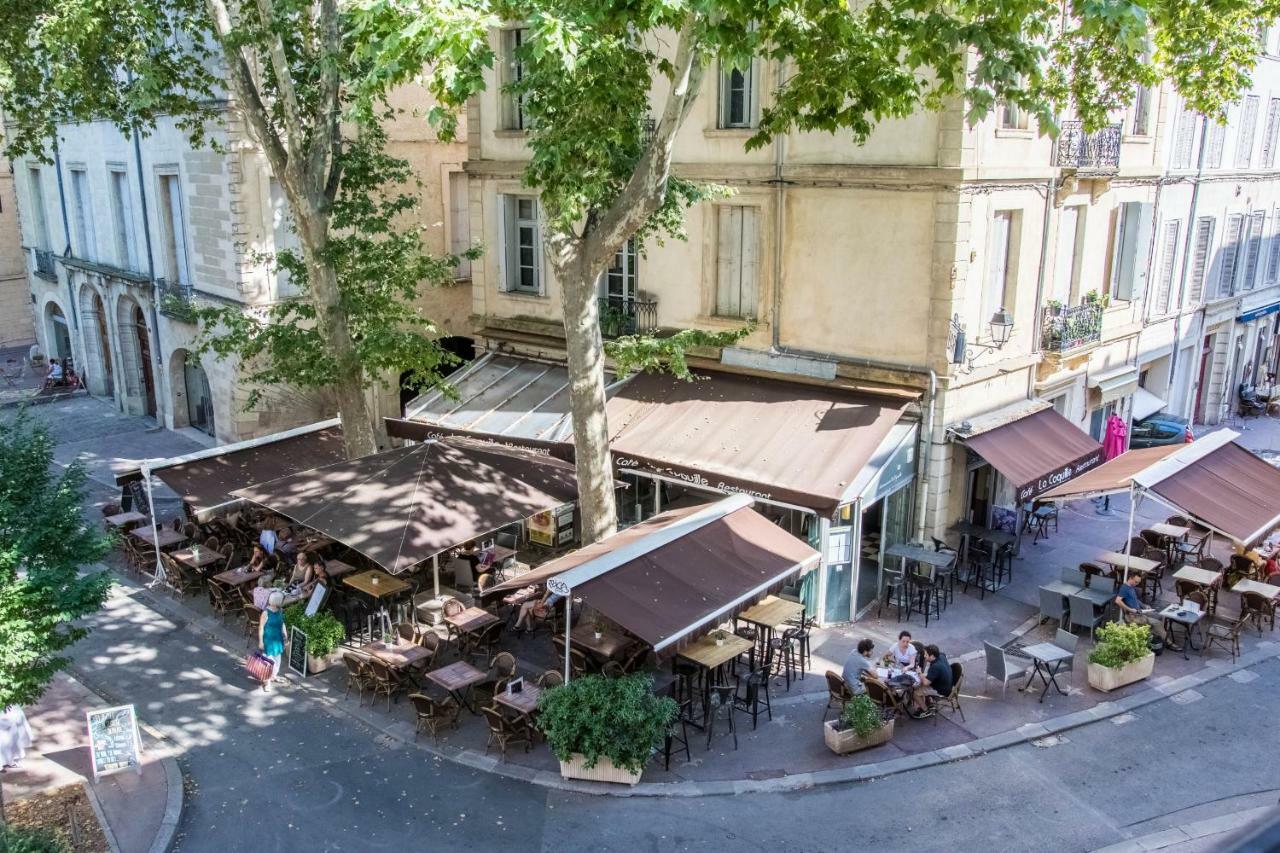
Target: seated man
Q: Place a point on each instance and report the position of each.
(936, 681)
(1134, 611)
(859, 662)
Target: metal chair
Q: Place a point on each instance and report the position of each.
(1084, 613)
(1052, 606)
(1066, 641)
(682, 723)
(1000, 667)
(722, 705)
(749, 692)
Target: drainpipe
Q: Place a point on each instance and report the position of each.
(1037, 319)
(151, 266)
(66, 231)
(1186, 267)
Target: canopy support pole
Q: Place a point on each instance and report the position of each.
(568, 603)
(1133, 502)
(435, 572)
(155, 534)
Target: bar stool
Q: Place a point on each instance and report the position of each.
(722, 707)
(746, 632)
(783, 652)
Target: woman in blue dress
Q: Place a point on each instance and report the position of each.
(271, 635)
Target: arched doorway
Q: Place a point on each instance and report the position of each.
(57, 333)
(96, 370)
(135, 353)
(193, 401)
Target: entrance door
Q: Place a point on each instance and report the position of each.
(839, 574)
(1205, 354)
(982, 485)
(199, 397)
(108, 386)
(144, 356)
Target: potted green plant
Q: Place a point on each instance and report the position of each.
(1055, 307)
(597, 627)
(719, 635)
(1091, 297)
(1122, 656)
(862, 725)
(605, 729)
(324, 634)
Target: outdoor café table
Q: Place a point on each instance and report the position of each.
(1210, 581)
(610, 644)
(1047, 659)
(1264, 589)
(236, 577)
(525, 702)
(977, 531)
(197, 560)
(164, 537)
(769, 614)
(1141, 565)
(457, 679)
(710, 657)
(1173, 531)
(123, 520)
(1174, 614)
(472, 620)
(1099, 597)
(399, 655)
(337, 568)
(378, 585)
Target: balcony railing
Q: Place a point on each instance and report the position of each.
(627, 315)
(1098, 151)
(44, 264)
(1067, 328)
(176, 300)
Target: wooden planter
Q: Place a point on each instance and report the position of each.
(1106, 679)
(844, 741)
(315, 664)
(604, 771)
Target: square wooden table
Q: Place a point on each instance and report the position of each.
(472, 620)
(124, 519)
(1264, 589)
(1174, 531)
(608, 646)
(189, 558)
(336, 568)
(706, 654)
(165, 537)
(376, 583)
(235, 577)
(773, 611)
(526, 701)
(457, 678)
(1204, 577)
(1120, 561)
(400, 655)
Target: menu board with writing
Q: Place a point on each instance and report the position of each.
(298, 651)
(113, 740)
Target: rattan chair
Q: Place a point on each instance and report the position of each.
(1258, 608)
(838, 691)
(886, 699)
(550, 678)
(385, 681)
(357, 675)
(433, 714)
(1225, 635)
(504, 731)
(952, 699)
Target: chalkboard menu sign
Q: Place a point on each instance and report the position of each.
(298, 651)
(113, 740)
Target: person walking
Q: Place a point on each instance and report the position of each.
(271, 635)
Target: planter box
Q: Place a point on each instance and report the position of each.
(1106, 679)
(844, 741)
(604, 771)
(315, 664)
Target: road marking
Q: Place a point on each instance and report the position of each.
(1243, 676)
(1050, 741)
(1186, 697)
(1121, 719)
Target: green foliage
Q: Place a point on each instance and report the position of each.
(381, 264)
(324, 632)
(178, 308)
(1120, 643)
(44, 543)
(17, 839)
(631, 353)
(619, 718)
(862, 715)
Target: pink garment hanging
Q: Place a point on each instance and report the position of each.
(1116, 440)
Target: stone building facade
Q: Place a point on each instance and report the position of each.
(16, 328)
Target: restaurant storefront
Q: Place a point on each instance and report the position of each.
(833, 465)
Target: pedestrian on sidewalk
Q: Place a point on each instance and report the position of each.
(271, 635)
(15, 736)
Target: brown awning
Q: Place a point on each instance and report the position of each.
(1229, 489)
(783, 441)
(1111, 476)
(1038, 452)
(400, 507)
(206, 480)
(682, 571)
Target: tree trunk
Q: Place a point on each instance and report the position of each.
(585, 350)
(331, 321)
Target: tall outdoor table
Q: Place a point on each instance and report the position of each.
(163, 539)
(977, 531)
(1047, 659)
(197, 559)
(711, 658)
(607, 647)
(378, 585)
(124, 520)
(1207, 580)
(457, 679)
(771, 612)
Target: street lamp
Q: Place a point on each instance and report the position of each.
(1000, 327)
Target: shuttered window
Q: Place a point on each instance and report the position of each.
(1184, 140)
(1130, 250)
(737, 261)
(459, 223)
(1248, 123)
(1230, 251)
(1270, 134)
(1200, 257)
(1273, 250)
(1168, 254)
(1253, 249)
(1066, 260)
(996, 284)
(1214, 145)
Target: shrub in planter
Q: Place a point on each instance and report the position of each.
(17, 839)
(1122, 655)
(594, 720)
(324, 633)
(862, 725)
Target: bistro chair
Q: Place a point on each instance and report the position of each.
(1137, 544)
(181, 579)
(384, 680)
(1183, 588)
(504, 731)
(636, 660)
(217, 599)
(1000, 667)
(1153, 539)
(1066, 641)
(486, 643)
(783, 651)
(838, 692)
(895, 591)
(952, 699)
(433, 714)
(357, 675)
(1225, 635)
(1053, 606)
(722, 706)
(550, 678)
(680, 724)
(1241, 567)
(612, 669)
(1258, 607)
(752, 692)
(1086, 614)
(882, 697)
(1178, 521)
(1210, 564)
(804, 655)
(1093, 570)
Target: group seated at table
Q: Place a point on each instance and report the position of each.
(907, 666)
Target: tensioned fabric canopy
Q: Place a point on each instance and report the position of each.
(680, 571)
(403, 506)
(1112, 476)
(205, 480)
(1037, 452)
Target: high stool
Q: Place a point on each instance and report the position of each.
(748, 633)
(722, 707)
(783, 651)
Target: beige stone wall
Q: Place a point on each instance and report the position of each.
(16, 324)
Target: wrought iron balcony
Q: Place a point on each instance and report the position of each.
(627, 315)
(1065, 329)
(176, 300)
(1097, 152)
(44, 264)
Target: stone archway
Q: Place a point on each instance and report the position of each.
(97, 369)
(57, 333)
(135, 354)
(192, 398)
